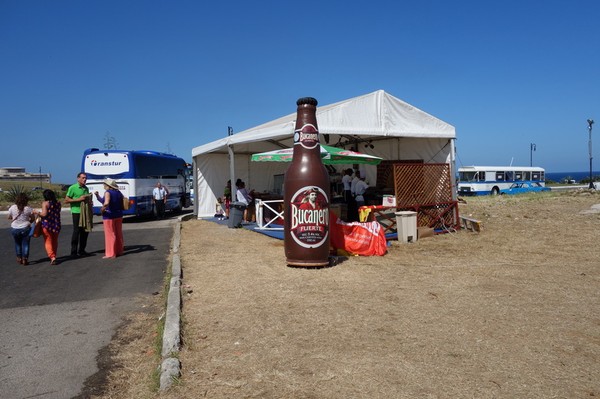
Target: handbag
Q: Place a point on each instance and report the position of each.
(36, 227)
(125, 203)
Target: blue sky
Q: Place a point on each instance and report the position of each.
(172, 75)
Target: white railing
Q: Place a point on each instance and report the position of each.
(260, 212)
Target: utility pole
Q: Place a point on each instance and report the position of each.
(531, 150)
(590, 123)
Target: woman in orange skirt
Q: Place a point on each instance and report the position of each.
(112, 219)
(50, 214)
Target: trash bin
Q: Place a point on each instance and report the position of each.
(406, 225)
(236, 214)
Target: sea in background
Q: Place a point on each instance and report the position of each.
(577, 176)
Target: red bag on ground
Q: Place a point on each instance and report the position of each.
(357, 238)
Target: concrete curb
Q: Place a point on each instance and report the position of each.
(170, 369)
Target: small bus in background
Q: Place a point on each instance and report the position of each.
(136, 173)
(483, 180)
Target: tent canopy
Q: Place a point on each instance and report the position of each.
(368, 117)
(376, 123)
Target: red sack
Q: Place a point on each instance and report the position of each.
(357, 238)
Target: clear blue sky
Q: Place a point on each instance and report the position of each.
(172, 75)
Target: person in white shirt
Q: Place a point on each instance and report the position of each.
(355, 180)
(159, 197)
(359, 191)
(242, 193)
(347, 182)
(245, 197)
(21, 215)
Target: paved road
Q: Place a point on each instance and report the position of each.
(54, 320)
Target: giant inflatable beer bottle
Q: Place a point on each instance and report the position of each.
(306, 194)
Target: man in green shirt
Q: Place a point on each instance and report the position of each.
(77, 194)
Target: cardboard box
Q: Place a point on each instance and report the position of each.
(389, 200)
(424, 232)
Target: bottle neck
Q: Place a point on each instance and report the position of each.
(306, 132)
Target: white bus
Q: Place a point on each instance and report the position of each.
(483, 180)
(136, 173)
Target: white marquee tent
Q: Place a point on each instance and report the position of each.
(376, 123)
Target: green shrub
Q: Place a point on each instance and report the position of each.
(13, 191)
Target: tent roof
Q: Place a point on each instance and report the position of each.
(364, 117)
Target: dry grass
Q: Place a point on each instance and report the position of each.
(132, 357)
(510, 312)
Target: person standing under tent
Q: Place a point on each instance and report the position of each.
(359, 191)
(227, 198)
(347, 182)
(245, 197)
(352, 206)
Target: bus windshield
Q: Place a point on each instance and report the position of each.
(467, 176)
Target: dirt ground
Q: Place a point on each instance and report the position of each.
(512, 311)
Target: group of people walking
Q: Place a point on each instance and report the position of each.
(22, 216)
(79, 198)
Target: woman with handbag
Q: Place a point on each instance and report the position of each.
(112, 219)
(21, 215)
(50, 223)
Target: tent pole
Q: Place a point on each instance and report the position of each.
(195, 177)
(453, 169)
(232, 173)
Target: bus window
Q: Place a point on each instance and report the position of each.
(468, 176)
(499, 176)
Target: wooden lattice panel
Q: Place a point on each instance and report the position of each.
(385, 172)
(426, 189)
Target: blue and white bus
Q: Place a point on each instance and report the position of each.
(136, 173)
(483, 180)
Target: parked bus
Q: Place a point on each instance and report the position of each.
(483, 180)
(136, 173)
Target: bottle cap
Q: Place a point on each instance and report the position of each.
(307, 101)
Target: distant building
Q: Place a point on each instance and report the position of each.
(10, 173)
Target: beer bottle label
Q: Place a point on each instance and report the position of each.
(307, 136)
(310, 217)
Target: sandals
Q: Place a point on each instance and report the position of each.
(53, 262)
(24, 262)
(19, 260)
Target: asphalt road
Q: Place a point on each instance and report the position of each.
(55, 320)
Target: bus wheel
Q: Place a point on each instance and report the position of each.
(495, 191)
